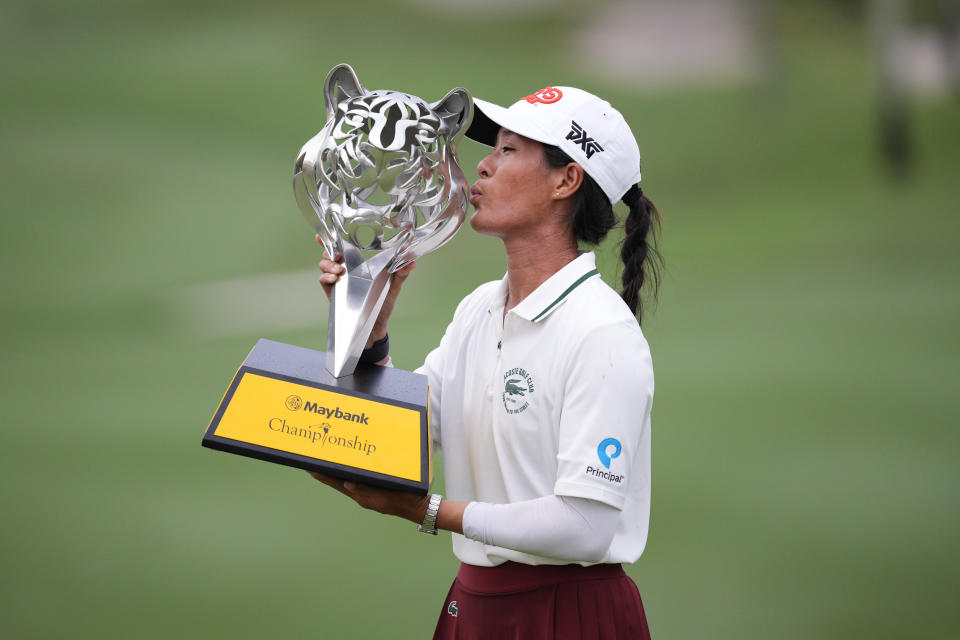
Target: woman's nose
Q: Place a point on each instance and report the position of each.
(484, 167)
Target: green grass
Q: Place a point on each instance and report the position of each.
(805, 439)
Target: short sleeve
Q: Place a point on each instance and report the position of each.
(434, 366)
(604, 432)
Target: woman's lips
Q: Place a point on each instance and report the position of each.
(475, 194)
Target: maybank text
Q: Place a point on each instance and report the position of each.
(336, 413)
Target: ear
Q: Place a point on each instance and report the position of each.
(341, 83)
(456, 111)
(569, 179)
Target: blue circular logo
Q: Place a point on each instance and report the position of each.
(603, 451)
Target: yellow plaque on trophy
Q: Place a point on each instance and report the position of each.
(281, 407)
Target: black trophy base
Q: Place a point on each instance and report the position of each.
(283, 406)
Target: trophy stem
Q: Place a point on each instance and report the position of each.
(354, 307)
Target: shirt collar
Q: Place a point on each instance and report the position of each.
(552, 293)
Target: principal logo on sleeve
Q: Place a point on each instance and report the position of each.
(608, 451)
(517, 389)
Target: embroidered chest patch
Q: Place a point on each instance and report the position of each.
(517, 389)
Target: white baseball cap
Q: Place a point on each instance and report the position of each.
(585, 127)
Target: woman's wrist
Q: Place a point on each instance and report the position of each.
(376, 334)
(450, 515)
(377, 351)
(419, 511)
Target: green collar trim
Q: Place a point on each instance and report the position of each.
(563, 295)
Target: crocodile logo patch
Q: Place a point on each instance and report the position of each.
(517, 389)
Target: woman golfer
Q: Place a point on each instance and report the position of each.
(542, 385)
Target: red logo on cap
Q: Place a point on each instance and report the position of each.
(547, 95)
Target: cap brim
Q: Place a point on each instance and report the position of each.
(489, 118)
(482, 129)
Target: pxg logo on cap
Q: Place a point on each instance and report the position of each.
(603, 451)
(579, 136)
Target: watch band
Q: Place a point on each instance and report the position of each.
(429, 524)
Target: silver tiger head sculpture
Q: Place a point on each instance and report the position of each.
(381, 185)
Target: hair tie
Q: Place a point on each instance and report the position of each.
(632, 197)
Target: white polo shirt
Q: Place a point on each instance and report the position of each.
(553, 399)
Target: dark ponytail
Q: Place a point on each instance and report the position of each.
(592, 217)
(641, 260)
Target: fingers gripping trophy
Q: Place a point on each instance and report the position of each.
(381, 186)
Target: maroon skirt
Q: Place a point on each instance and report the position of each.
(542, 602)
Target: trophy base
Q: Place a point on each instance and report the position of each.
(283, 406)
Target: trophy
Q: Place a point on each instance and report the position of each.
(381, 185)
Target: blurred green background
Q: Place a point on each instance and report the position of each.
(805, 445)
